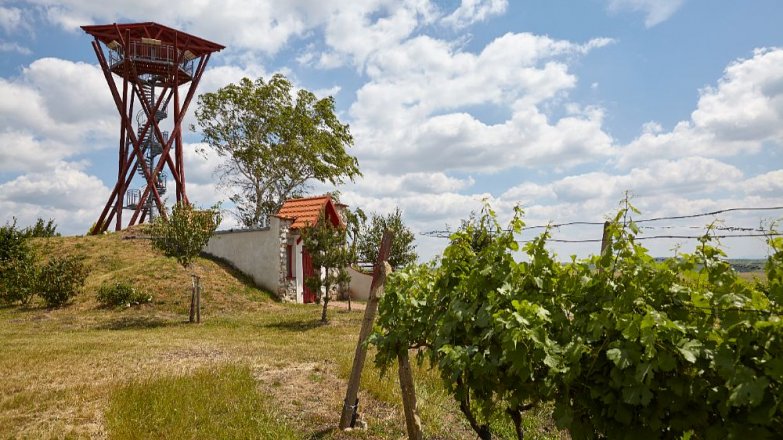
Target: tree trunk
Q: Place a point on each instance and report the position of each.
(323, 311)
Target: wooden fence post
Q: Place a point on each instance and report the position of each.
(606, 243)
(192, 316)
(412, 420)
(198, 300)
(605, 239)
(380, 271)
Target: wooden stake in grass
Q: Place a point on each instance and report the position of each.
(412, 420)
(380, 271)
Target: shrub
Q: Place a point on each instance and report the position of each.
(18, 279)
(17, 274)
(42, 229)
(13, 242)
(60, 279)
(121, 294)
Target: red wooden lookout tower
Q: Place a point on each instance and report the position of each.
(152, 61)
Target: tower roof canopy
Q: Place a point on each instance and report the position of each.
(106, 33)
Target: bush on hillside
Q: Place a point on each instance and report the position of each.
(60, 279)
(18, 279)
(121, 294)
(16, 264)
(42, 229)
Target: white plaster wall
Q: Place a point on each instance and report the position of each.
(360, 284)
(254, 252)
(299, 271)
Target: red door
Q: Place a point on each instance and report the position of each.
(308, 296)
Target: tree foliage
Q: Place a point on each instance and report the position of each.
(622, 345)
(272, 144)
(185, 233)
(327, 245)
(403, 250)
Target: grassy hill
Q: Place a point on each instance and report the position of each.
(255, 368)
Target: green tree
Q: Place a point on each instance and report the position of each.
(328, 248)
(403, 250)
(182, 236)
(273, 145)
(185, 232)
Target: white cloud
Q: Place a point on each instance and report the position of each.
(12, 20)
(59, 100)
(691, 176)
(64, 193)
(416, 110)
(683, 176)
(656, 11)
(472, 11)
(770, 184)
(739, 116)
(407, 184)
(22, 151)
(14, 47)
(265, 26)
(64, 187)
(362, 29)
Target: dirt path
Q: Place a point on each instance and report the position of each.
(355, 305)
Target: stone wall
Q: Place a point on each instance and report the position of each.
(286, 287)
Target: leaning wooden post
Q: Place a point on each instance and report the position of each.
(379, 273)
(412, 420)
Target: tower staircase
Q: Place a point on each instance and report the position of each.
(151, 148)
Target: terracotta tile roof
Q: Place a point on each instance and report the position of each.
(305, 211)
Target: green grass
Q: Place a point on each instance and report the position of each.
(213, 403)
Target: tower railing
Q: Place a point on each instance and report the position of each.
(150, 52)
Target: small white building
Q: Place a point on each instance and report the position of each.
(274, 257)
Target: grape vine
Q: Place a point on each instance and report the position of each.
(621, 344)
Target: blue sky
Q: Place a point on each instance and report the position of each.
(558, 105)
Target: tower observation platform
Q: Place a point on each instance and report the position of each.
(153, 62)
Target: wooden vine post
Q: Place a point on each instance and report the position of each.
(379, 273)
(605, 239)
(412, 420)
(606, 243)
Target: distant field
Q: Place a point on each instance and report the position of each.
(254, 368)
